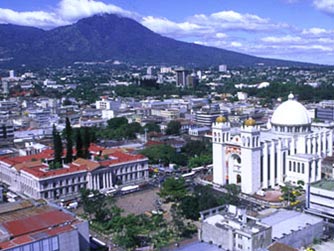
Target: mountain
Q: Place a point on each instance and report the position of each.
(111, 37)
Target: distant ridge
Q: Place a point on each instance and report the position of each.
(111, 37)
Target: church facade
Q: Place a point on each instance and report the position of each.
(288, 150)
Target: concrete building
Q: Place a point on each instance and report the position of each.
(233, 229)
(31, 175)
(325, 113)
(6, 132)
(40, 227)
(181, 77)
(222, 68)
(287, 151)
(207, 116)
(320, 198)
(294, 228)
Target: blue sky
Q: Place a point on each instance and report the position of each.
(301, 30)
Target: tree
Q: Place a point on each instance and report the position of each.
(69, 143)
(194, 148)
(173, 189)
(116, 123)
(160, 154)
(152, 127)
(57, 147)
(79, 145)
(173, 127)
(86, 142)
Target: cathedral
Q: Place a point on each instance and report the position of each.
(288, 150)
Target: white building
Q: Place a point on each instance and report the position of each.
(233, 229)
(31, 175)
(320, 198)
(287, 151)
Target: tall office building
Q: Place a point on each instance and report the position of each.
(181, 77)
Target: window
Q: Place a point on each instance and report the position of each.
(55, 244)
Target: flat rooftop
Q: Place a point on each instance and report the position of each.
(324, 184)
(284, 222)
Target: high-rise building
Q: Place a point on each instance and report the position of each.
(181, 77)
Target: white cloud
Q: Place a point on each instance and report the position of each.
(282, 40)
(167, 27)
(76, 9)
(67, 12)
(326, 6)
(236, 44)
(315, 31)
(33, 18)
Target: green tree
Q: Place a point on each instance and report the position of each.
(173, 127)
(116, 123)
(189, 207)
(57, 147)
(160, 154)
(152, 127)
(194, 148)
(69, 143)
(173, 189)
(79, 145)
(86, 142)
(201, 160)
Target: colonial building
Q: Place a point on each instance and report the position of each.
(31, 175)
(287, 151)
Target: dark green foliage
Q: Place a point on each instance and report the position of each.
(173, 127)
(173, 189)
(69, 143)
(194, 148)
(152, 127)
(204, 197)
(116, 123)
(119, 129)
(57, 147)
(86, 142)
(160, 154)
(79, 145)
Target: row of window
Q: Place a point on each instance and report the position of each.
(296, 167)
(50, 244)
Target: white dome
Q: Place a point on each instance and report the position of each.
(291, 113)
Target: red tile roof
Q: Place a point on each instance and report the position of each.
(33, 165)
(37, 222)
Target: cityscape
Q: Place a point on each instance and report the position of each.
(128, 126)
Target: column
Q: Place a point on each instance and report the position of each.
(292, 146)
(330, 143)
(265, 165)
(279, 162)
(272, 163)
(324, 148)
(319, 150)
(308, 140)
(319, 170)
(314, 142)
(313, 174)
(98, 181)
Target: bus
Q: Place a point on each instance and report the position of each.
(129, 189)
